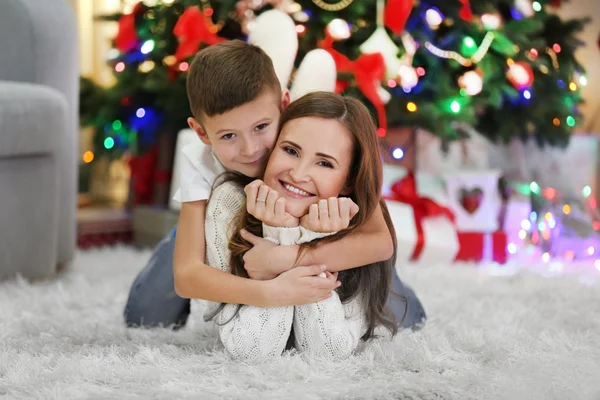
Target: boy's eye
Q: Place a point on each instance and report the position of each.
(291, 151)
(260, 127)
(228, 136)
(325, 164)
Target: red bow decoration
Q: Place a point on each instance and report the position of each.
(127, 38)
(396, 13)
(405, 191)
(192, 29)
(142, 176)
(369, 71)
(466, 14)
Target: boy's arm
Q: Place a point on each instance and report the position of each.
(195, 279)
(369, 244)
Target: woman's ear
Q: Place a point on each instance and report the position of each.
(347, 189)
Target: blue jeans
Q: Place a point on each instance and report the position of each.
(153, 302)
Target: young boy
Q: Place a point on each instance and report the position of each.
(236, 100)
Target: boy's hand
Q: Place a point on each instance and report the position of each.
(263, 261)
(330, 215)
(301, 285)
(265, 205)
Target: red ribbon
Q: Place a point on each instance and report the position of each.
(405, 191)
(142, 176)
(368, 70)
(127, 38)
(396, 13)
(192, 29)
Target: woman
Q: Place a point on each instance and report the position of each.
(326, 159)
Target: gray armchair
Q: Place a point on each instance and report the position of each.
(39, 83)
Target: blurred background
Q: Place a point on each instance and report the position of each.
(493, 105)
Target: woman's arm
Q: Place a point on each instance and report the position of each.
(326, 328)
(369, 244)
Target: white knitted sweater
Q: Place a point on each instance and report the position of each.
(327, 328)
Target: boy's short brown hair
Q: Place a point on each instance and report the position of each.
(227, 75)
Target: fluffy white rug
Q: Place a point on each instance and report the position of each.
(516, 336)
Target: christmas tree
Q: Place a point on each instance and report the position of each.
(506, 68)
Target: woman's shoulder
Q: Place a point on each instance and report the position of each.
(227, 195)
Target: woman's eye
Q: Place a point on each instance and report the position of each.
(325, 164)
(228, 136)
(261, 127)
(291, 151)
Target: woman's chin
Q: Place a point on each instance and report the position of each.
(296, 211)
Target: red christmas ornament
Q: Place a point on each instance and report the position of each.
(396, 13)
(466, 14)
(192, 29)
(126, 38)
(555, 3)
(520, 75)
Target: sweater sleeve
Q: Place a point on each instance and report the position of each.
(247, 332)
(327, 328)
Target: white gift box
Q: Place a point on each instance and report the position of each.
(440, 240)
(483, 184)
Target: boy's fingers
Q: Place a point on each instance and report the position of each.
(313, 270)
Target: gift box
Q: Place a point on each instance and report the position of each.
(483, 247)
(152, 224)
(424, 228)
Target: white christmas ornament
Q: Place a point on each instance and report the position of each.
(408, 77)
(338, 29)
(472, 82)
(275, 32)
(380, 42)
(524, 7)
(433, 17)
(491, 21)
(316, 73)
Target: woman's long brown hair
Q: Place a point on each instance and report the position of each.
(365, 177)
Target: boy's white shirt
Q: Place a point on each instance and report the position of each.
(199, 168)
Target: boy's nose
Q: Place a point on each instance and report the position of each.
(250, 148)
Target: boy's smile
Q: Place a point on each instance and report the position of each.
(243, 137)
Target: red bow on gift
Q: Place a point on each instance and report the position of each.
(369, 71)
(192, 29)
(405, 191)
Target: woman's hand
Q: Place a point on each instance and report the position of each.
(331, 215)
(265, 205)
(301, 285)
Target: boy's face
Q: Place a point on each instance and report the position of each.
(244, 136)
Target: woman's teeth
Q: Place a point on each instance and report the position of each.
(296, 190)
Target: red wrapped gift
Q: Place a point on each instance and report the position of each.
(476, 246)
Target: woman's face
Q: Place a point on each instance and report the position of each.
(310, 161)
